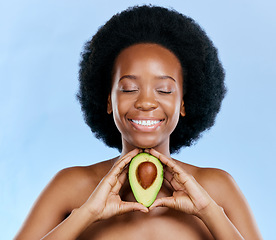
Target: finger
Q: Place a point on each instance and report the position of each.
(118, 167)
(186, 183)
(130, 154)
(168, 175)
(131, 207)
(163, 202)
(180, 175)
(172, 181)
(166, 160)
(111, 178)
(120, 181)
(122, 162)
(191, 186)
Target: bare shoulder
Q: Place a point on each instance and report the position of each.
(68, 190)
(79, 182)
(220, 185)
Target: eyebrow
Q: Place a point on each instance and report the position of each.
(128, 76)
(166, 77)
(134, 77)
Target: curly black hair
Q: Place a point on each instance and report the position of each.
(203, 72)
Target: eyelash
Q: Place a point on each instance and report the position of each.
(164, 92)
(128, 90)
(159, 91)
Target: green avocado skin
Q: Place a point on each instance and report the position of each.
(145, 196)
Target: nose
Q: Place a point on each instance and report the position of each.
(146, 101)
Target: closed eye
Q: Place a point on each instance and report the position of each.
(123, 90)
(164, 92)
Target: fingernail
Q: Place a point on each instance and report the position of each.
(144, 211)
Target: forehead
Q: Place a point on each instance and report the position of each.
(149, 57)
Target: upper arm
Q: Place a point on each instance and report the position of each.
(50, 208)
(228, 195)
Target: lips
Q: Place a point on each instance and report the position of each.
(146, 125)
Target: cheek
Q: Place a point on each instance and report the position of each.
(172, 105)
(172, 110)
(120, 106)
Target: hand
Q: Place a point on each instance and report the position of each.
(105, 201)
(188, 195)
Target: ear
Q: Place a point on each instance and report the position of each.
(182, 109)
(109, 104)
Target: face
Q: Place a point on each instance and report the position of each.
(146, 96)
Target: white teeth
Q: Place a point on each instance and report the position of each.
(146, 122)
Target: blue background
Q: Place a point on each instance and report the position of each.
(41, 124)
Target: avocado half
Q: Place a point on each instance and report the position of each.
(145, 177)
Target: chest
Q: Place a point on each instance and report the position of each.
(136, 226)
(161, 223)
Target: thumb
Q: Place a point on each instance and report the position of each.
(132, 206)
(163, 202)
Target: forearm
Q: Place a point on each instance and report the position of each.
(219, 224)
(72, 226)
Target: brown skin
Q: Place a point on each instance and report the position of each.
(193, 203)
(147, 84)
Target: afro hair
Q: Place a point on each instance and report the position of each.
(203, 72)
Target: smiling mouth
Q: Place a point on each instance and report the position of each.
(146, 125)
(145, 122)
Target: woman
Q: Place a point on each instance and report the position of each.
(150, 80)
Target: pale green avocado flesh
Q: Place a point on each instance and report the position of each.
(145, 196)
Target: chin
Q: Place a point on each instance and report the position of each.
(145, 144)
(147, 140)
